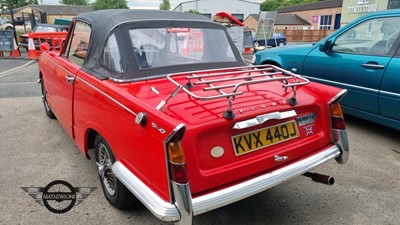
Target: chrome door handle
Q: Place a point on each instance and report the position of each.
(372, 66)
(70, 79)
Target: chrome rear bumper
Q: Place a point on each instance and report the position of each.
(167, 211)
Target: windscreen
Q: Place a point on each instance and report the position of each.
(45, 29)
(172, 46)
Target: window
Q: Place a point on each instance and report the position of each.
(111, 57)
(160, 47)
(325, 22)
(238, 16)
(78, 43)
(394, 4)
(45, 29)
(372, 37)
(208, 15)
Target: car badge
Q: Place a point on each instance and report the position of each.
(307, 119)
(309, 130)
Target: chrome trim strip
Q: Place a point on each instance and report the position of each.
(338, 96)
(106, 95)
(343, 84)
(176, 129)
(180, 73)
(395, 95)
(251, 187)
(263, 118)
(95, 88)
(50, 60)
(161, 209)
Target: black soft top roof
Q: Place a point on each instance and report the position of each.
(104, 22)
(108, 19)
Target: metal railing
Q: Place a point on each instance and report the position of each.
(225, 83)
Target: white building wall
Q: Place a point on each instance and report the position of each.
(239, 7)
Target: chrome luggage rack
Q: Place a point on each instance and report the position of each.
(232, 79)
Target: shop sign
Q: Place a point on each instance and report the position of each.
(362, 6)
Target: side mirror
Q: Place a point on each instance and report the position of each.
(325, 46)
(45, 47)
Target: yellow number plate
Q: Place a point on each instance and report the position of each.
(255, 140)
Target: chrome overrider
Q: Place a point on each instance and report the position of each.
(185, 207)
(341, 141)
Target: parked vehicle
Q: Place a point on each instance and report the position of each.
(184, 130)
(363, 57)
(5, 24)
(23, 39)
(277, 39)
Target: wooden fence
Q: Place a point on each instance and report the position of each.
(305, 35)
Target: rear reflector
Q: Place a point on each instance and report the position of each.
(178, 173)
(338, 123)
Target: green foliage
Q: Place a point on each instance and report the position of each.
(192, 11)
(74, 2)
(110, 4)
(165, 5)
(272, 5)
(12, 4)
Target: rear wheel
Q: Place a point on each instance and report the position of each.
(281, 44)
(47, 109)
(114, 191)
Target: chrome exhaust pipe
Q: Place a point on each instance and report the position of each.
(320, 178)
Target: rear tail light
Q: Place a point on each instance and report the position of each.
(176, 161)
(337, 119)
(176, 157)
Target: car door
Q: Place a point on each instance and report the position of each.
(356, 60)
(67, 66)
(389, 95)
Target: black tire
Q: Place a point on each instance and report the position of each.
(47, 108)
(114, 191)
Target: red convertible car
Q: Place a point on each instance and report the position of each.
(183, 130)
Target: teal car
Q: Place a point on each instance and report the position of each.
(362, 57)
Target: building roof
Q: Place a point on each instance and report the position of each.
(290, 19)
(285, 19)
(58, 9)
(311, 6)
(255, 16)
